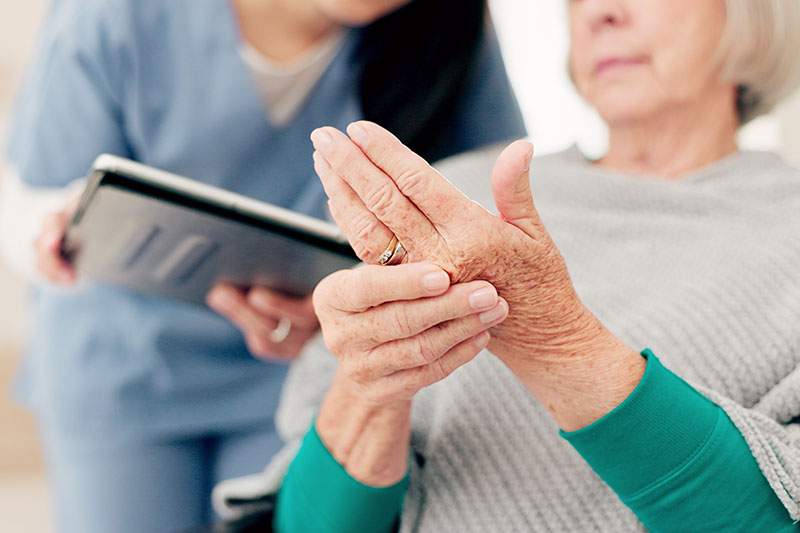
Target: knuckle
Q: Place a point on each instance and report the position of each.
(413, 181)
(364, 250)
(425, 349)
(362, 285)
(381, 199)
(461, 329)
(437, 371)
(319, 296)
(401, 320)
(334, 341)
(364, 225)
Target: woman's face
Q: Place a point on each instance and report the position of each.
(358, 12)
(634, 58)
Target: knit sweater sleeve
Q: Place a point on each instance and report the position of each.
(318, 494)
(304, 389)
(677, 459)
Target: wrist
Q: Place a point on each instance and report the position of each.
(371, 441)
(581, 375)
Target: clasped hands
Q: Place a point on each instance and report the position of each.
(398, 329)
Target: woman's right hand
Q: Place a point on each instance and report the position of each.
(394, 330)
(49, 261)
(398, 329)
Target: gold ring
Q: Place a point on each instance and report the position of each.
(393, 254)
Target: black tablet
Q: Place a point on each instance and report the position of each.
(155, 232)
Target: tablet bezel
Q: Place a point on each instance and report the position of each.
(113, 171)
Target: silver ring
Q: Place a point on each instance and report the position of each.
(393, 254)
(281, 331)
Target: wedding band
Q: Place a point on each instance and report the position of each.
(281, 331)
(393, 254)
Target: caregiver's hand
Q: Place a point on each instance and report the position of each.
(49, 261)
(394, 330)
(274, 326)
(378, 187)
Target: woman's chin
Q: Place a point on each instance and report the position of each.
(625, 110)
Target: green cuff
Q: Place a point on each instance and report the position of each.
(660, 426)
(678, 462)
(319, 495)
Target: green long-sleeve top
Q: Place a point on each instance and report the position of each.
(670, 454)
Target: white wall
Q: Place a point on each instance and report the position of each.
(534, 39)
(18, 23)
(790, 127)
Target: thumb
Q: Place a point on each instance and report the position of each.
(511, 187)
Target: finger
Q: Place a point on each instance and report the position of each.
(357, 290)
(299, 310)
(398, 320)
(232, 304)
(407, 382)
(257, 329)
(438, 199)
(50, 262)
(511, 187)
(430, 345)
(367, 235)
(377, 190)
(56, 270)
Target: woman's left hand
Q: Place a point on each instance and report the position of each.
(378, 187)
(274, 326)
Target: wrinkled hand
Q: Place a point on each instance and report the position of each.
(398, 329)
(257, 312)
(377, 187)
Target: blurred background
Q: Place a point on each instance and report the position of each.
(533, 36)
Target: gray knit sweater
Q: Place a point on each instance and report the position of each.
(705, 271)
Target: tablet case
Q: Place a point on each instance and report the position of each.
(150, 236)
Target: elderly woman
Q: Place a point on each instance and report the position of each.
(675, 240)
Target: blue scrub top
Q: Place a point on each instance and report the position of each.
(163, 83)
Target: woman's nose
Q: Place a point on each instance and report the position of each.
(602, 14)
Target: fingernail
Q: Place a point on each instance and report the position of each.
(321, 139)
(358, 133)
(483, 298)
(482, 340)
(436, 281)
(493, 315)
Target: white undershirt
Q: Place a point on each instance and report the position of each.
(284, 89)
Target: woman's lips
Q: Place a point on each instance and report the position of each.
(611, 64)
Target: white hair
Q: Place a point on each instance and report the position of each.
(761, 53)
